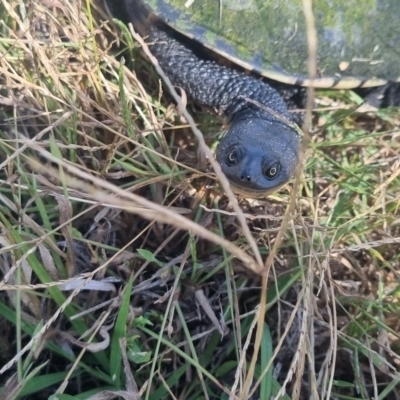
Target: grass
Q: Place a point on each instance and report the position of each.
(126, 270)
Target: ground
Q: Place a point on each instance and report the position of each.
(126, 269)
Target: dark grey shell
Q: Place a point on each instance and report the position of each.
(358, 40)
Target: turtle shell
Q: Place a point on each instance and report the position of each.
(358, 41)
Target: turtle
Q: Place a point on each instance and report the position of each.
(265, 42)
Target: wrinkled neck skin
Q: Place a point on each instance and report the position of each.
(259, 153)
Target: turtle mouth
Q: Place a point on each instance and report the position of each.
(254, 193)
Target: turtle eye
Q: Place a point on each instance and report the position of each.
(235, 154)
(272, 171)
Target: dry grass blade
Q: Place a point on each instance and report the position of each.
(199, 136)
(163, 213)
(311, 35)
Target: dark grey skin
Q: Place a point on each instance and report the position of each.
(259, 153)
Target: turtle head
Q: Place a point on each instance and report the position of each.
(259, 155)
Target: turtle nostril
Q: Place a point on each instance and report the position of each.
(246, 178)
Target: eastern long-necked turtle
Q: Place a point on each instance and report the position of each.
(358, 48)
